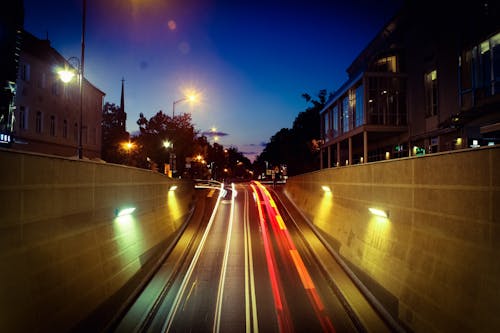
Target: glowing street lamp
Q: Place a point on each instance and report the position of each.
(128, 147)
(67, 76)
(190, 98)
(170, 145)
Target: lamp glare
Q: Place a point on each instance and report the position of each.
(125, 211)
(379, 212)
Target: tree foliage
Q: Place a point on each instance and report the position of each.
(113, 134)
(154, 132)
(293, 146)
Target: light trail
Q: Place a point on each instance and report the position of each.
(288, 244)
(222, 278)
(283, 315)
(175, 305)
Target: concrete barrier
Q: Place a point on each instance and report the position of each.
(437, 252)
(63, 251)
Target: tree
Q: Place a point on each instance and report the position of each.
(113, 134)
(153, 133)
(293, 147)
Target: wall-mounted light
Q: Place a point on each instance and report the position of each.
(172, 188)
(475, 144)
(124, 211)
(379, 212)
(326, 189)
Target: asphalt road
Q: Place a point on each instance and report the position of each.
(246, 263)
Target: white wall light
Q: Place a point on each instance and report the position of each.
(124, 211)
(379, 212)
(326, 189)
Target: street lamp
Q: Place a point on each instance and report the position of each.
(190, 98)
(128, 147)
(67, 76)
(169, 145)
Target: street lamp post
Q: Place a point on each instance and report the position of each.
(191, 98)
(82, 66)
(67, 75)
(169, 145)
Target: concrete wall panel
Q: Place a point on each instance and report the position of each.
(437, 252)
(62, 250)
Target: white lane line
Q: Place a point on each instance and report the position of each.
(222, 279)
(249, 274)
(168, 322)
(247, 284)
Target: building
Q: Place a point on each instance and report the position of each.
(48, 111)
(428, 82)
(11, 24)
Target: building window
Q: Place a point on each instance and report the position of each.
(386, 65)
(326, 125)
(345, 115)
(24, 72)
(65, 129)
(431, 93)
(488, 65)
(495, 63)
(434, 145)
(480, 71)
(52, 126)
(42, 81)
(358, 105)
(38, 122)
(23, 114)
(75, 132)
(335, 116)
(55, 88)
(386, 101)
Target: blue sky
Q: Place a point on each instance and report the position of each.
(250, 61)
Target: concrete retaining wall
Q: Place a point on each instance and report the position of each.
(62, 250)
(438, 252)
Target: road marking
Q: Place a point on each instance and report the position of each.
(189, 293)
(222, 279)
(249, 273)
(175, 305)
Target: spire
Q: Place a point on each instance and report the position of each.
(123, 115)
(122, 100)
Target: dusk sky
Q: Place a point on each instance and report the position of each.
(250, 61)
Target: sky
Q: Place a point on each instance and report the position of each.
(249, 62)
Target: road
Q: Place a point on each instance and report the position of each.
(247, 263)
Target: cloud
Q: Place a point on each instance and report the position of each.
(213, 133)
